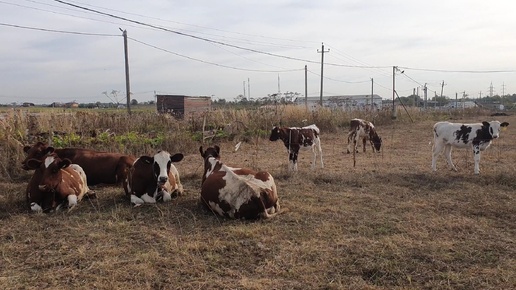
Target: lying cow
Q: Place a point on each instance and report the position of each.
(477, 136)
(361, 129)
(236, 192)
(55, 182)
(154, 178)
(299, 138)
(100, 167)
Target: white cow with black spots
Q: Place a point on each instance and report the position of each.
(477, 136)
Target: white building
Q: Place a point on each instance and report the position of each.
(344, 102)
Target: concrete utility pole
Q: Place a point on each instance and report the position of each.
(248, 89)
(322, 51)
(127, 86)
(244, 91)
(425, 94)
(372, 92)
(442, 88)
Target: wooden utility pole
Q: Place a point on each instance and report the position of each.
(306, 87)
(372, 95)
(322, 51)
(127, 86)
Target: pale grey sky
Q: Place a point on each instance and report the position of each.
(212, 48)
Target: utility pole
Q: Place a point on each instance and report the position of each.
(322, 51)
(248, 89)
(425, 94)
(372, 98)
(442, 87)
(306, 87)
(244, 90)
(491, 89)
(127, 86)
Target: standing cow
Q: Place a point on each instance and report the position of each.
(365, 130)
(100, 167)
(55, 182)
(299, 138)
(154, 178)
(236, 192)
(477, 136)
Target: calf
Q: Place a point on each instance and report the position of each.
(361, 129)
(55, 182)
(236, 192)
(477, 136)
(298, 138)
(154, 178)
(100, 167)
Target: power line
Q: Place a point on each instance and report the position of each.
(58, 31)
(459, 71)
(207, 62)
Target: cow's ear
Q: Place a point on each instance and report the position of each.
(202, 152)
(177, 157)
(65, 163)
(217, 148)
(504, 124)
(26, 148)
(486, 124)
(49, 149)
(34, 163)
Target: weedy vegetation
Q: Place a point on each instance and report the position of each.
(387, 223)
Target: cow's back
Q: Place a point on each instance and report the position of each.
(100, 167)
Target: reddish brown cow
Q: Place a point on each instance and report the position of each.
(236, 192)
(154, 178)
(361, 129)
(100, 167)
(55, 182)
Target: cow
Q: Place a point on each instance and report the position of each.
(477, 136)
(295, 138)
(55, 182)
(365, 130)
(154, 178)
(100, 167)
(239, 193)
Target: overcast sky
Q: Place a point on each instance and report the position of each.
(52, 51)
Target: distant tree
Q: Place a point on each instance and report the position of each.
(134, 102)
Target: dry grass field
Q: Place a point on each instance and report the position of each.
(388, 223)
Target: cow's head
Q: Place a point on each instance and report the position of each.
(161, 163)
(275, 133)
(377, 142)
(51, 177)
(214, 154)
(38, 151)
(494, 128)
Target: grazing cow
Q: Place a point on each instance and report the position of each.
(477, 136)
(236, 192)
(361, 129)
(55, 182)
(298, 138)
(100, 167)
(154, 178)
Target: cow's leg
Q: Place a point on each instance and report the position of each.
(320, 151)
(476, 157)
(436, 150)
(293, 159)
(351, 136)
(364, 141)
(447, 153)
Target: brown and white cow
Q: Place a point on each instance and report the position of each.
(55, 182)
(477, 136)
(100, 167)
(365, 130)
(154, 178)
(236, 192)
(295, 138)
